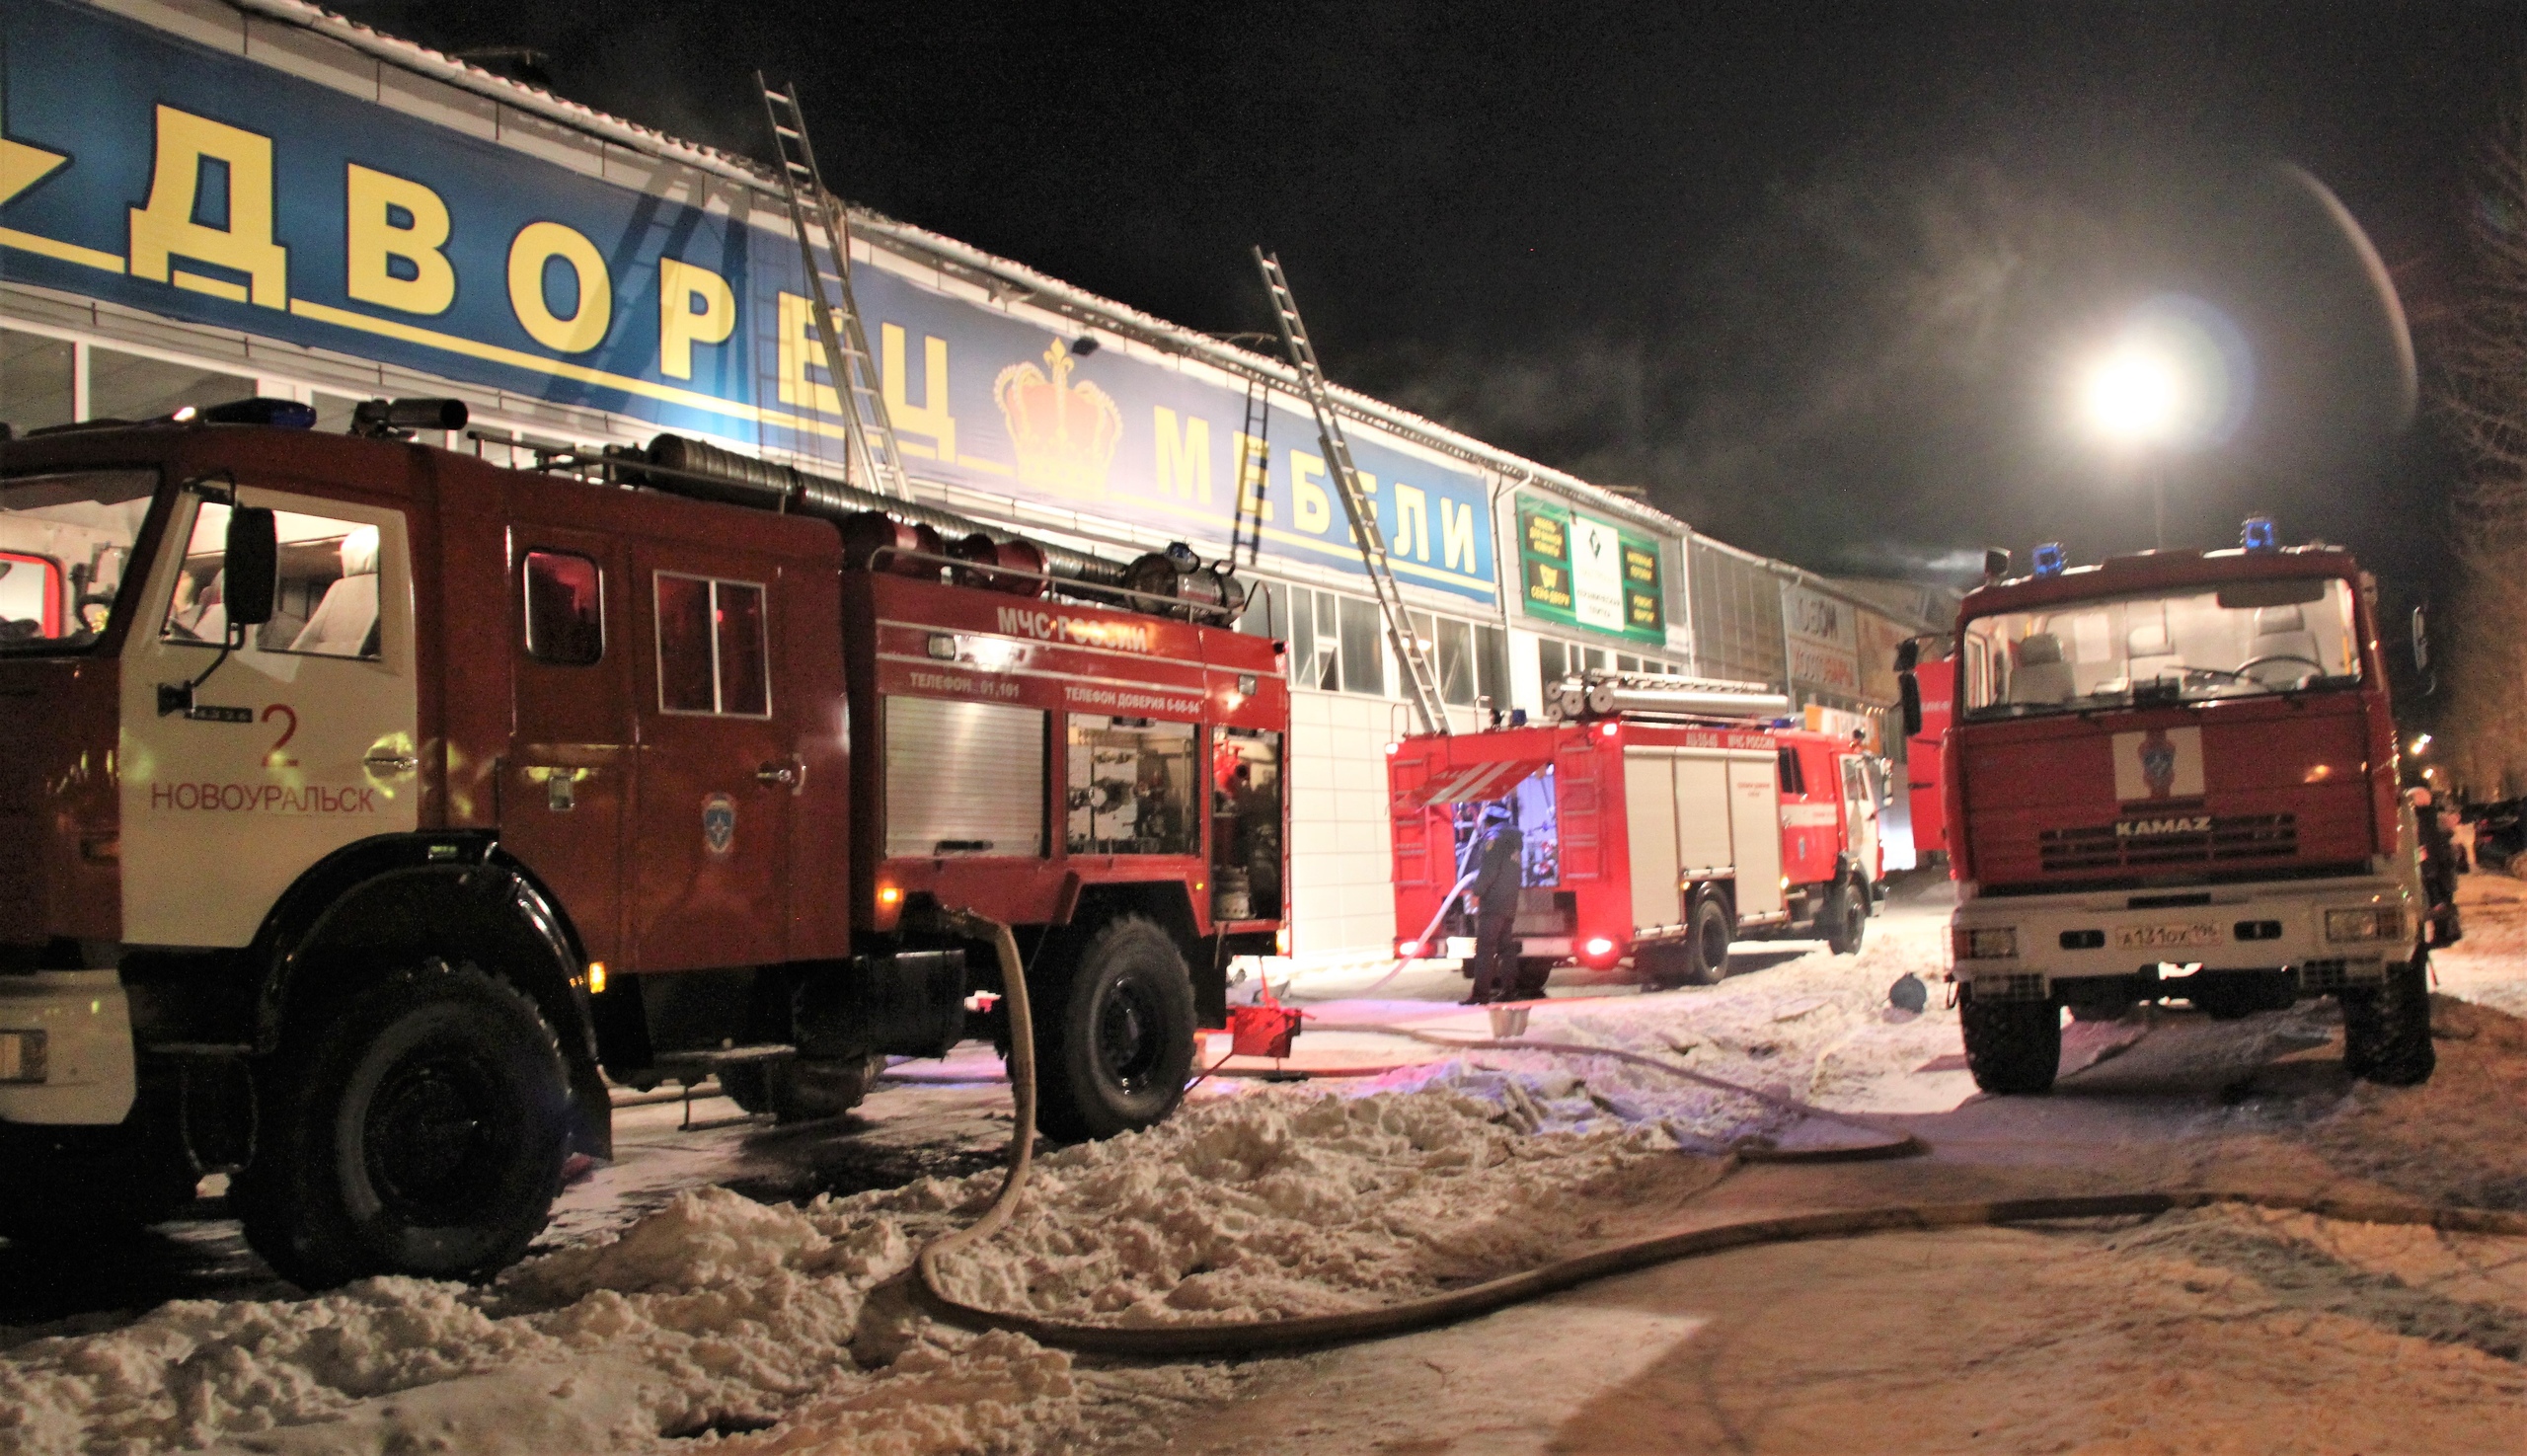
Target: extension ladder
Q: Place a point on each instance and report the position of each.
(876, 462)
(1411, 653)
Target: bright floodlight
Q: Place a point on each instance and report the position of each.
(2132, 396)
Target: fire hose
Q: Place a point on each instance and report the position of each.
(1304, 1332)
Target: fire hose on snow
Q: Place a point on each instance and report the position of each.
(1257, 1336)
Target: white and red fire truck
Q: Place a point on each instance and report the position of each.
(1662, 818)
(2173, 775)
(364, 807)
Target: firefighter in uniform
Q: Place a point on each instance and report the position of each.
(1496, 900)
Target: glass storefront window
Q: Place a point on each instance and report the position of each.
(123, 386)
(36, 389)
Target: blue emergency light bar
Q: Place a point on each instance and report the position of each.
(2049, 558)
(2259, 534)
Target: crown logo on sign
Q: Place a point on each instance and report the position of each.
(1065, 435)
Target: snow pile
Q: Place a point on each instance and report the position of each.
(1270, 1205)
(2459, 1138)
(720, 1315)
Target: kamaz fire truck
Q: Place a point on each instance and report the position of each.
(1662, 818)
(2173, 775)
(365, 808)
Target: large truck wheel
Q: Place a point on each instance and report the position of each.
(1707, 943)
(2386, 1028)
(801, 1089)
(1113, 1032)
(1845, 918)
(2011, 1046)
(419, 1129)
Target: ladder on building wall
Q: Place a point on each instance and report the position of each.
(1421, 684)
(874, 461)
(1246, 527)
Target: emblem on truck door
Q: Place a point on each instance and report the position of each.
(2161, 763)
(718, 824)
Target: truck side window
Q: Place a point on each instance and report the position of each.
(565, 608)
(1132, 787)
(711, 647)
(327, 600)
(1793, 781)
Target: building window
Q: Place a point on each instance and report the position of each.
(710, 648)
(1457, 676)
(1131, 787)
(1363, 663)
(1491, 665)
(36, 384)
(123, 386)
(565, 608)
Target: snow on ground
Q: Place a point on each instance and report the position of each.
(665, 1314)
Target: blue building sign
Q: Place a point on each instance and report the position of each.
(195, 184)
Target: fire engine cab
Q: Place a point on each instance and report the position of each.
(1662, 818)
(2174, 776)
(365, 808)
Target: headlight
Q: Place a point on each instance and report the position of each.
(1598, 946)
(2366, 923)
(1985, 944)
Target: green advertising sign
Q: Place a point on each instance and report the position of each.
(1583, 572)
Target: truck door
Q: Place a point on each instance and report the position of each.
(566, 780)
(303, 741)
(710, 877)
(1860, 815)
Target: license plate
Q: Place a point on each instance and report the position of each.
(2167, 936)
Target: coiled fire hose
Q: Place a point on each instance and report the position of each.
(1260, 1337)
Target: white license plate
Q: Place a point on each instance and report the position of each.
(2167, 936)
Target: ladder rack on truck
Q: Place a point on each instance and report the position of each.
(1662, 818)
(383, 804)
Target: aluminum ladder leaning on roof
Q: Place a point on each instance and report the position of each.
(1409, 651)
(876, 463)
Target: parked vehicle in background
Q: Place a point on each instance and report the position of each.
(1664, 817)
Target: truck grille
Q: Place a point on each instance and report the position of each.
(2170, 839)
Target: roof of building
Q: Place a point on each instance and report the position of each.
(1010, 276)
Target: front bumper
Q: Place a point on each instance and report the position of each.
(2154, 937)
(70, 1059)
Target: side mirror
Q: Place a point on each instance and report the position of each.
(2421, 640)
(1908, 655)
(1909, 688)
(253, 566)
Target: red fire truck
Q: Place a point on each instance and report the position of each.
(1663, 817)
(364, 807)
(1933, 693)
(2173, 775)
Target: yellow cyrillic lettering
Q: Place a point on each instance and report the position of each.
(1311, 508)
(931, 418)
(680, 324)
(369, 200)
(1183, 458)
(1456, 535)
(1412, 522)
(799, 345)
(165, 228)
(1253, 474)
(535, 244)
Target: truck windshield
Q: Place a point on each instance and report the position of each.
(64, 542)
(2249, 638)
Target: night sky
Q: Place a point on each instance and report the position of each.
(1817, 276)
